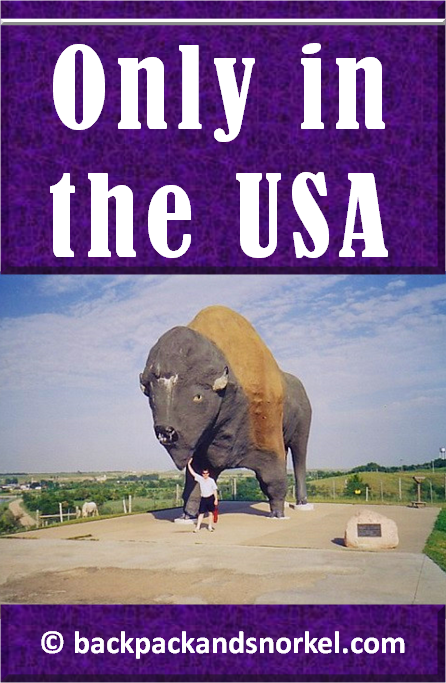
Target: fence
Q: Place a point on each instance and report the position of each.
(398, 491)
(43, 520)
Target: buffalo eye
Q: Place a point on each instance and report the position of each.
(198, 398)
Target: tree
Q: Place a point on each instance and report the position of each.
(355, 487)
(370, 467)
(8, 523)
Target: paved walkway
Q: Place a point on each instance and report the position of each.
(248, 559)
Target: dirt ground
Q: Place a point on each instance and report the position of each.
(94, 585)
(25, 519)
(249, 559)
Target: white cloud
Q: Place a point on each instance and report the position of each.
(396, 284)
(371, 355)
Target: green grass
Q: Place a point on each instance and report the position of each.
(435, 547)
(139, 504)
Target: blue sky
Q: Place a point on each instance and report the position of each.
(371, 351)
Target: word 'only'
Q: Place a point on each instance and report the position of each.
(234, 101)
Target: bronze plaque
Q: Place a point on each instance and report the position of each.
(370, 530)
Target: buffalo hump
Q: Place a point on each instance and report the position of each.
(255, 369)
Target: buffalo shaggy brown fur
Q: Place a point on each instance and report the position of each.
(255, 368)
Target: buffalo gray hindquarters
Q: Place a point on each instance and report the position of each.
(217, 394)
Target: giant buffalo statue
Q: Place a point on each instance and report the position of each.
(217, 394)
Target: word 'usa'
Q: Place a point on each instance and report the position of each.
(362, 193)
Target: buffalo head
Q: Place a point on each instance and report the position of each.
(185, 379)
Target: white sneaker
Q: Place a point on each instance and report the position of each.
(210, 528)
(196, 530)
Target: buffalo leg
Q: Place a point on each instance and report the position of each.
(191, 496)
(273, 482)
(298, 447)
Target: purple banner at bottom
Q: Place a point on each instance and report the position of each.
(223, 643)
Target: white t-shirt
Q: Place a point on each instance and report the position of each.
(207, 486)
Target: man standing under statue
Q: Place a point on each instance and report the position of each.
(209, 496)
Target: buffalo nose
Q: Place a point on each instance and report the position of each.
(166, 435)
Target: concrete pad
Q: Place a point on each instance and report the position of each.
(249, 559)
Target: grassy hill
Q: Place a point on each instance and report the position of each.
(384, 487)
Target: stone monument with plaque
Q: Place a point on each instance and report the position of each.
(368, 530)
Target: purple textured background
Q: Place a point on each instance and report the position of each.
(407, 158)
(422, 628)
(334, 9)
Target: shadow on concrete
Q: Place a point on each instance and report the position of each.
(225, 507)
(338, 541)
(246, 507)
